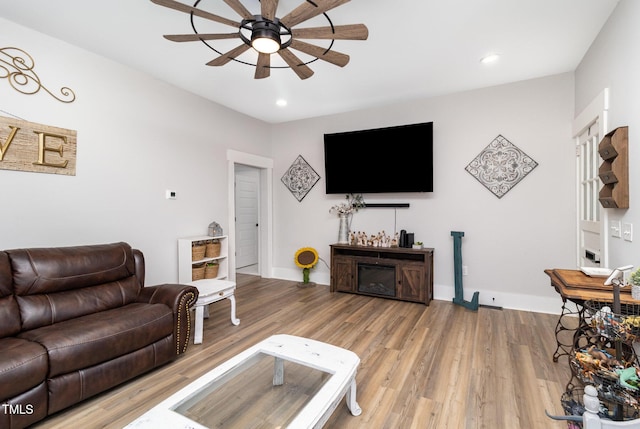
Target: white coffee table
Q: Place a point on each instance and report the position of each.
(240, 392)
(210, 291)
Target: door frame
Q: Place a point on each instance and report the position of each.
(596, 110)
(265, 215)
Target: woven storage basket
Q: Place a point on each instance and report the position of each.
(212, 250)
(197, 252)
(211, 271)
(197, 272)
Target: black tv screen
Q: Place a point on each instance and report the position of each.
(381, 160)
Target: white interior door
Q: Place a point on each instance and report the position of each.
(589, 127)
(247, 200)
(589, 246)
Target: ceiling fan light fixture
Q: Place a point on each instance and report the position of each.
(267, 34)
(265, 37)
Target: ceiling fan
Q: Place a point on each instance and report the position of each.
(268, 34)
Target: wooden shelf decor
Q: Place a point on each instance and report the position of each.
(614, 170)
(203, 257)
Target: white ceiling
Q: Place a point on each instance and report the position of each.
(415, 49)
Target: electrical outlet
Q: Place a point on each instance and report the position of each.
(465, 270)
(171, 195)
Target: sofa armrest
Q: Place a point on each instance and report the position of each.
(180, 298)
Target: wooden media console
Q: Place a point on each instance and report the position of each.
(386, 272)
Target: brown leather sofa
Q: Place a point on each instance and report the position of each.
(76, 321)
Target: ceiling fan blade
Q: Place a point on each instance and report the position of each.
(172, 4)
(196, 37)
(307, 10)
(226, 57)
(239, 8)
(268, 9)
(262, 67)
(302, 70)
(343, 32)
(332, 57)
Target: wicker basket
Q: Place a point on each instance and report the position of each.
(197, 272)
(198, 251)
(212, 250)
(211, 271)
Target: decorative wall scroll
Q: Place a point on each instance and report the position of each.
(299, 178)
(17, 67)
(27, 146)
(500, 166)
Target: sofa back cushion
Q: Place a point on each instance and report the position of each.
(60, 283)
(9, 312)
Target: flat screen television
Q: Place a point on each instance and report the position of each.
(381, 160)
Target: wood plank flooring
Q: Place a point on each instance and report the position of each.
(437, 366)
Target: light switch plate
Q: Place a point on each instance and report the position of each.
(615, 229)
(627, 231)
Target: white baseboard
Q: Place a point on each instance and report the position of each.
(537, 304)
(296, 275)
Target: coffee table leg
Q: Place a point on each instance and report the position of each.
(278, 372)
(197, 335)
(351, 400)
(234, 319)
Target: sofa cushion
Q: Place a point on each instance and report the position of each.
(46, 309)
(89, 340)
(54, 269)
(5, 275)
(61, 283)
(9, 316)
(79, 385)
(22, 367)
(31, 407)
(9, 312)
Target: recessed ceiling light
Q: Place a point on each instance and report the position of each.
(491, 58)
(281, 102)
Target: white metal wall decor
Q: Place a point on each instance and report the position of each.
(299, 178)
(17, 67)
(501, 166)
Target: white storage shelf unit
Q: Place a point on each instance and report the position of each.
(186, 263)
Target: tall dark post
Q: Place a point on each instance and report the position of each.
(457, 271)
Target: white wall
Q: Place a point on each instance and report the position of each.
(508, 242)
(137, 137)
(613, 62)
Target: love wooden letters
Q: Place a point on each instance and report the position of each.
(27, 146)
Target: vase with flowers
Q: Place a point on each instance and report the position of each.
(345, 212)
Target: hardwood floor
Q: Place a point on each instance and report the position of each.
(436, 366)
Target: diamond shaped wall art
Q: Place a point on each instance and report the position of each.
(501, 166)
(299, 178)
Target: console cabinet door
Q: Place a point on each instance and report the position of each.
(342, 274)
(411, 282)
